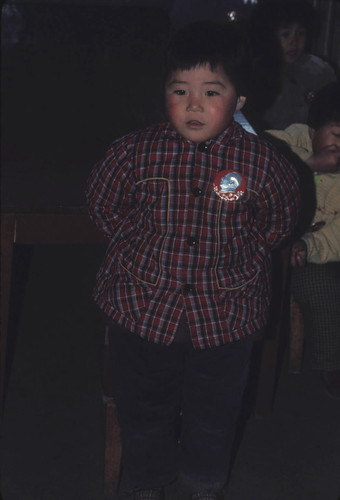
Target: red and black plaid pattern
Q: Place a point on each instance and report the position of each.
(175, 245)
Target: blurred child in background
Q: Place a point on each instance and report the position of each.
(315, 257)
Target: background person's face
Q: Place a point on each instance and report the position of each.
(327, 137)
(292, 39)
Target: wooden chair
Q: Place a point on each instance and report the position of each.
(269, 363)
(63, 225)
(288, 324)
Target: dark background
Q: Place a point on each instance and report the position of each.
(73, 79)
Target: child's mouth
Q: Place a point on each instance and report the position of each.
(194, 124)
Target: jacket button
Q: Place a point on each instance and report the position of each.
(187, 288)
(202, 147)
(191, 241)
(196, 191)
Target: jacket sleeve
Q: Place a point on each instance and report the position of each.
(279, 201)
(324, 245)
(110, 189)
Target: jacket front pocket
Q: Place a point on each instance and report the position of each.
(128, 295)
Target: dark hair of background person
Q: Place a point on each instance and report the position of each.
(270, 15)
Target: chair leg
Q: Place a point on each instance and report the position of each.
(7, 242)
(112, 471)
(296, 338)
(269, 363)
(112, 450)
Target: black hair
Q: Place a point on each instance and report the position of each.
(208, 42)
(325, 107)
(270, 15)
(300, 12)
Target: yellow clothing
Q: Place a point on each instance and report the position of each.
(323, 245)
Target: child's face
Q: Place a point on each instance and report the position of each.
(293, 41)
(326, 137)
(201, 102)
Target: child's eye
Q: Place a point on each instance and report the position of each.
(211, 93)
(179, 92)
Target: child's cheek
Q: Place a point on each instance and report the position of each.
(174, 109)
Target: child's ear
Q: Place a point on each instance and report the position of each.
(311, 132)
(241, 100)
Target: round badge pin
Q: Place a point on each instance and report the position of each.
(229, 185)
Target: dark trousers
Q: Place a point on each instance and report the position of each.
(153, 385)
(316, 288)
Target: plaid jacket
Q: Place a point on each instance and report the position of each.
(176, 243)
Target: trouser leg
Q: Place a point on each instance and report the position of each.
(147, 387)
(316, 288)
(214, 384)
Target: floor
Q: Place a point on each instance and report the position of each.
(52, 437)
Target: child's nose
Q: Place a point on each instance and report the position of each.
(194, 104)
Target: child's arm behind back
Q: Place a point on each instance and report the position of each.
(110, 190)
(280, 200)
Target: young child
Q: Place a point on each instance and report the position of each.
(192, 209)
(284, 29)
(316, 255)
